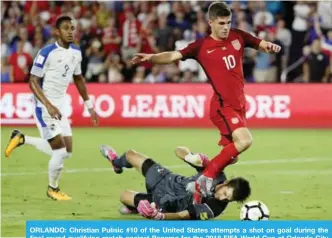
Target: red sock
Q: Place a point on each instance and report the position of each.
(219, 162)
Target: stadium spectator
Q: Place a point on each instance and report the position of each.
(262, 18)
(123, 27)
(113, 67)
(156, 75)
(276, 60)
(111, 37)
(188, 64)
(139, 75)
(249, 55)
(324, 10)
(163, 34)
(6, 71)
(130, 34)
(21, 63)
(299, 30)
(147, 44)
(95, 64)
(316, 69)
(188, 77)
(284, 35)
(128, 70)
(265, 71)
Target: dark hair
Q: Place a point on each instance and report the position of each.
(218, 9)
(241, 189)
(62, 19)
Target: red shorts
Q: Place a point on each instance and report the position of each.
(227, 120)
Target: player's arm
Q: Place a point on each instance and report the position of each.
(81, 88)
(258, 44)
(160, 58)
(168, 57)
(269, 47)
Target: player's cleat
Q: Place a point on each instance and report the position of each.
(16, 139)
(110, 154)
(124, 210)
(197, 160)
(57, 195)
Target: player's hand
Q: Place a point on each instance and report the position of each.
(147, 210)
(273, 48)
(94, 116)
(53, 111)
(140, 58)
(202, 185)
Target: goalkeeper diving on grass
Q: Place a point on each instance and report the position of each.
(167, 195)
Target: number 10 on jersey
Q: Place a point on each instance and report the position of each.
(229, 61)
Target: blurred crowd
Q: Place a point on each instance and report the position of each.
(110, 33)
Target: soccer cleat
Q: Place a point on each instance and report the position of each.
(16, 139)
(110, 154)
(197, 160)
(56, 194)
(124, 210)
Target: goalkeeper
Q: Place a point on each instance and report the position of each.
(167, 196)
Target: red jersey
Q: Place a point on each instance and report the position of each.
(222, 63)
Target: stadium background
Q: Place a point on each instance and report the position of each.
(289, 169)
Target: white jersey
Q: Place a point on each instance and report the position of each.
(56, 66)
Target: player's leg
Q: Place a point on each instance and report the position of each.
(50, 130)
(229, 122)
(69, 145)
(226, 140)
(129, 159)
(195, 160)
(67, 135)
(130, 200)
(17, 139)
(55, 167)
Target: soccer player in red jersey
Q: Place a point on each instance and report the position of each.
(220, 54)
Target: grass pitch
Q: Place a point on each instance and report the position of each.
(289, 170)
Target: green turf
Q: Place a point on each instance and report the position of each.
(299, 189)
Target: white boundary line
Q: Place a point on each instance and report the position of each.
(183, 166)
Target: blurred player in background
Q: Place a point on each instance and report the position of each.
(53, 69)
(166, 197)
(220, 54)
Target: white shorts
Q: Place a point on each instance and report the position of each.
(49, 127)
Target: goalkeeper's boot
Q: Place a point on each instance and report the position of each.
(56, 194)
(16, 139)
(124, 210)
(110, 154)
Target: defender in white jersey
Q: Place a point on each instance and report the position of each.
(53, 69)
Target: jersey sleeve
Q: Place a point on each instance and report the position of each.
(249, 40)
(38, 67)
(208, 210)
(78, 70)
(192, 50)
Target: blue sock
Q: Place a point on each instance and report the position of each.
(122, 162)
